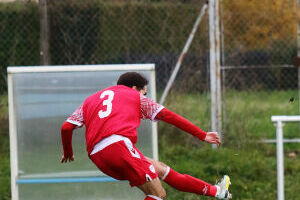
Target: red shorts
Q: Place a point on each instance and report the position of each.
(123, 161)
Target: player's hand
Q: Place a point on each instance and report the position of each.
(65, 159)
(212, 138)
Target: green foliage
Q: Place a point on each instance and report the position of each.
(19, 37)
(117, 32)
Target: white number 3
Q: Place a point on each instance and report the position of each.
(106, 103)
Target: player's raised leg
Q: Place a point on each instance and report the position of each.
(187, 183)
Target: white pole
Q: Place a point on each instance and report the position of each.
(215, 66)
(280, 161)
(212, 59)
(184, 51)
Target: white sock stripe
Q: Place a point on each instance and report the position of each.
(154, 197)
(166, 174)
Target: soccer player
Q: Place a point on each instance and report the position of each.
(111, 117)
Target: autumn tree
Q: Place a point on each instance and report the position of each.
(259, 24)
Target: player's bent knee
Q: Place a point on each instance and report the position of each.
(160, 167)
(163, 170)
(154, 188)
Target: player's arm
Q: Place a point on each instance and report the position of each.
(73, 122)
(185, 125)
(66, 138)
(154, 111)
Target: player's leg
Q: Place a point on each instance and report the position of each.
(186, 183)
(153, 189)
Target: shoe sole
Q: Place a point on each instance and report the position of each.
(227, 184)
(227, 179)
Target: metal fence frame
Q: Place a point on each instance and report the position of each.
(279, 120)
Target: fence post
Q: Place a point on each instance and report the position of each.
(215, 66)
(44, 33)
(280, 160)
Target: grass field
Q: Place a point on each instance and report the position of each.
(251, 164)
(4, 150)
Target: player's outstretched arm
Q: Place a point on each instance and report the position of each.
(66, 137)
(185, 125)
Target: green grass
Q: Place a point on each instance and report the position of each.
(4, 151)
(251, 112)
(250, 164)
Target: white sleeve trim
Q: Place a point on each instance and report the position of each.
(154, 197)
(166, 174)
(74, 122)
(156, 112)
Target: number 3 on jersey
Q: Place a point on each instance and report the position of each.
(107, 103)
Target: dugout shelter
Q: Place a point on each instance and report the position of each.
(40, 100)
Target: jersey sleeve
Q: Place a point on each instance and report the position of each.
(77, 117)
(149, 108)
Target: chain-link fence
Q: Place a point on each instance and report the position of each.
(259, 46)
(98, 31)
(258, 40)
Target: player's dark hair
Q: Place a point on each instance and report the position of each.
(131, 79)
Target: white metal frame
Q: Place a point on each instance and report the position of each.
(279, 120)
(71, 68)
(13, 141)
(154, 125)
(79, 68)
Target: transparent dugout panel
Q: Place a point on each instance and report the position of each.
(42, 103)
(80, 191)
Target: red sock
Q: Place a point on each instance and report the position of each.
(186, 183)
(151, 197)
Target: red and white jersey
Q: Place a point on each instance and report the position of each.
(114, 110)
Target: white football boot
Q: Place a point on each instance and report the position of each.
(223, 186)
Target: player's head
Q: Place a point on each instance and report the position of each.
(134, 80)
